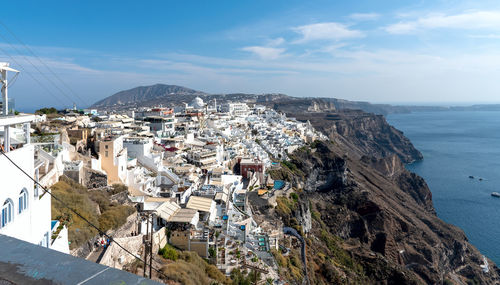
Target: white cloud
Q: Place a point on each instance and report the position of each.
(467, 20)
(364, 16)
(265, 52)
(276, 42)
(326, 31)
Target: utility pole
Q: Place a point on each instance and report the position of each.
(4, 67)
(146, 247)
(151, 250)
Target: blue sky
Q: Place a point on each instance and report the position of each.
(377, 51)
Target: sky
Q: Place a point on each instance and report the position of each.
(377, 51)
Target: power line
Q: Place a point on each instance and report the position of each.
(82, 217)
(39, 59)
(39, 71)
(31, 75)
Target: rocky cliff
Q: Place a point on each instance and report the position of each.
(373, 222)
(362, 134)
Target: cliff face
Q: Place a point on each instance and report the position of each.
(365, 203)
(363, 134)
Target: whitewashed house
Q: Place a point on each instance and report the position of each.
(25, 209)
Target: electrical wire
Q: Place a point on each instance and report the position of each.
(37, 69)
(29, 74)
(42, 62)
(81, 217)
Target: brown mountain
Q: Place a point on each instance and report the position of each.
(171, 95)
(144, 94)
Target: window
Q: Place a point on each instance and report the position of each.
(106, 153)
(106, 146)
(23, 200)
(7, 212)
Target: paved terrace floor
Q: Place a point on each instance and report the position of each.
(26, 263)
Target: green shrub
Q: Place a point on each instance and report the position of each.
(168, 252)
(289, 165)
(211, 252)
(46, 111)
(316, 215)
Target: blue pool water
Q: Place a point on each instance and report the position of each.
(278, 184)
(456, 145)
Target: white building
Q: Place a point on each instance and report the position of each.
(25, 210)
(26, 213)
(138, 147)
(236, 109)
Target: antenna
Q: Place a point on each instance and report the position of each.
(4, 67)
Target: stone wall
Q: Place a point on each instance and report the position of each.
(159, 239)
(95, 179)
(116, 257)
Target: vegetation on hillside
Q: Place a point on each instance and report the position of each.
(290, 266)
(46, 111)
(189, 268)
(285, 208)
(89, 204)
(327, 260)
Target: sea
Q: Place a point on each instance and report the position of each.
(456, 145)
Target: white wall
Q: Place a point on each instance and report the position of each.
(33, 223)
(61, 243)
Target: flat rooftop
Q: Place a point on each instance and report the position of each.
(200, 203)
(16, 119)
(25, 263)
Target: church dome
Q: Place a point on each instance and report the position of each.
(197, 103)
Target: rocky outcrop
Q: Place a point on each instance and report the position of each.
(363, 134)
(373, 219)
(386, 214)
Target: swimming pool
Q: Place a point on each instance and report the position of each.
(278, 184)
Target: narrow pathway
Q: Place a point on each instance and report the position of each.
(293, 232)
(96, 255)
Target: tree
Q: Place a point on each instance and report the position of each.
(211, 252)
(168, 252)
(46, 111)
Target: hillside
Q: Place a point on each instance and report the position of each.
(143, 94)
(171, 95)
(366, 219)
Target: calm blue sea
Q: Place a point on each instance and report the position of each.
(455, 145)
